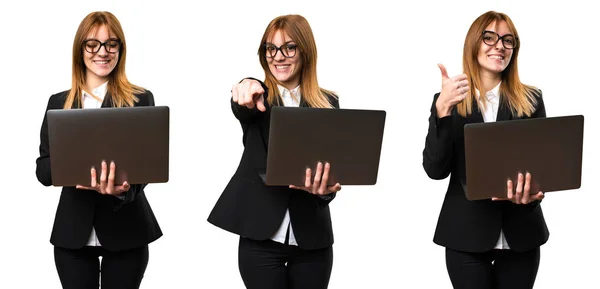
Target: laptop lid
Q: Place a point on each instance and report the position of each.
(549, 148)
(350, 140)
(135, 138)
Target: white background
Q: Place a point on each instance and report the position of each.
(374, 54)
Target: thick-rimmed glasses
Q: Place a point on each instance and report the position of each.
(94, 45)
(288, 50)
(491, 38)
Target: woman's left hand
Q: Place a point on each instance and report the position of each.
(522, 194)
(319, 184)
(106, 186)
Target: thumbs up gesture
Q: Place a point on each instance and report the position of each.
(454, 90)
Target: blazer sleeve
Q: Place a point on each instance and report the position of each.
(145, 99)
(244, 114)
(42, 170)
(437, 155)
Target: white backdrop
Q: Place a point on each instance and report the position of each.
(374, 54)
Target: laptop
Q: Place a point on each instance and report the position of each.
(350, 140)
(549, 148)
(135, 138)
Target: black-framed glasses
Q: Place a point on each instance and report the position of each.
(288, 49)
(491, 38)
(94, 45)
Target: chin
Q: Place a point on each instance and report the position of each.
(282, 78)
(495, 69)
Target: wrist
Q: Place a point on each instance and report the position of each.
(442, 110)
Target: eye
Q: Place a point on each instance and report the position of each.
(271, 48)
(113, 44)
(291, 47)
(92, 44)
(509, 40)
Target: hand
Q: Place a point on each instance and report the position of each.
(522, 195)
(319, 184)
(249, 93)
(106, 185)
(454, 90)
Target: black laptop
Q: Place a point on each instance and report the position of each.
(549, 148)
(135, 138)
(349, 139)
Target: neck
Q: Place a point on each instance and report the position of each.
(489, 80)
(92, 82)
(290, 85)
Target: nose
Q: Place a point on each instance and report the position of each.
(499, 44)
(102, 51)
(279, 55)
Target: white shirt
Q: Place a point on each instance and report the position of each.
(489, 113)
(291, 99)
(89, 101)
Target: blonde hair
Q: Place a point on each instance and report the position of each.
(121, 91)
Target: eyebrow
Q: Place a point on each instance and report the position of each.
(285, 43)
(498, 33)
(111, 38)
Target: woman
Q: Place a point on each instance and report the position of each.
(285, 232)
(489, 243)
(104, 219)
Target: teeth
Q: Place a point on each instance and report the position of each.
(281, 66)
(497, 57)
(101, 62)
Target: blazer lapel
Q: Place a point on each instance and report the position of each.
(302, 103)
(475, 116)
(503, 110)
(107, 102)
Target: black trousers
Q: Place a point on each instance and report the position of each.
(81, 268)
(495, 269)
(269, 264)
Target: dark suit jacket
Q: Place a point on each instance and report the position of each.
(120, 224)
(251, 209)
(474, 226)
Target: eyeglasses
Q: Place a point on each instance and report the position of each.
(288, 50)
(94, 45)
(491, 38)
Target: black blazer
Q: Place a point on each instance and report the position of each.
(474, 226)
(251, 209)
(120, 224)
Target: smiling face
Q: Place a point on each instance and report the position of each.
(100, 64)
(286, 70)
(494, 59)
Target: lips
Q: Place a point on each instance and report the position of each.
(497, 57)
(282, 67)
(101, 62)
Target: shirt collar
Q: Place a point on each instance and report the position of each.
(283, 90)
(492, 95)
(99, 91)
